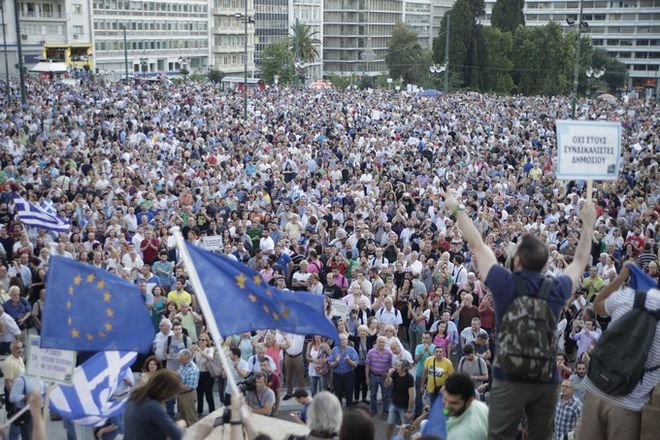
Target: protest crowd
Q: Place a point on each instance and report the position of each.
(407, 214)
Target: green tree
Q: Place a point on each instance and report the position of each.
(499, 47)
(508, 15)
(216, 75)
(405, 57)
(276, 59)
(303, 42)
(615, 70)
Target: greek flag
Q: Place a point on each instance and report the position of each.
(88, 400)
(31, 215)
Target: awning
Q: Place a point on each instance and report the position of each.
(49, 67)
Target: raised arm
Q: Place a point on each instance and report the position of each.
(605, 292)
(482, 253)
(581, 258)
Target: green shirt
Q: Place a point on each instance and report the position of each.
(472, 424)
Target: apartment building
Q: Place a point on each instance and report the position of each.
(417, 16)
(356, 35)
(228, 36)
(310, 12)
(160, 36)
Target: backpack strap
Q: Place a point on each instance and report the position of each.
(640, 303)
(522, 288)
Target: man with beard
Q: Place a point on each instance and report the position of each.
(577, 379)
(467, 417)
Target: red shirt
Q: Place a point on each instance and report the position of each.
(149, 254)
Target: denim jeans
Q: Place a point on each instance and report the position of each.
(318, 384)
(24, 431)
(376, 381)
(419, 396)
(70, 429)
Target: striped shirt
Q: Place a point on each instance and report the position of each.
(617, 305)
(379, 362)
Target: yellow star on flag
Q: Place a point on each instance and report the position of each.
(107, 296)
(276, 317)
(240, 280)
(75, 333)
(68, 304)
(269, 293)
(266, 309)
(101, 334)
(70, 290)
(101, 284)
(257, 280)
(90, 278)
(108, 327)
(89, 337)
(109, 312)
(69, 320)
(77, 280)
(252, 298)
(286, 313)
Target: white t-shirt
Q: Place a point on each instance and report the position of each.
(617, 305)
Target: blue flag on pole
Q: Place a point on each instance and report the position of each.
(87, 401)
(640, 280)
(89, 309)
(436, 423)
(242, 301)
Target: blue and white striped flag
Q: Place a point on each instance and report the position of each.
(88, 400)
(31, 215)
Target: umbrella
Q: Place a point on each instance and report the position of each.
(430, 93)
(607, 97)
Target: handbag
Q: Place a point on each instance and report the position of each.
(324, 367)
(214, 366)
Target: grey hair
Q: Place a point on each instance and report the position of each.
(325, 413)
(185, 352)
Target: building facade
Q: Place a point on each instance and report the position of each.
(310, 12)
(438, 10)
(54, 29)
(356, 35)
(417, 16)
(627, 29)
(161, 36)
(271, 21)
(228, 36)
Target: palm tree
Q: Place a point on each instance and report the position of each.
(303, 42)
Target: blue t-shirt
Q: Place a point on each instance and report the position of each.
(500, 282)
(343, 367)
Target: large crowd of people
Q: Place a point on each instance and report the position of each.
(344, 193)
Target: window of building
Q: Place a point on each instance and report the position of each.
(78, 30)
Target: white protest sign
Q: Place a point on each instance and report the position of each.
(588, 150)
(49, 364)
(212, 242)
(339, 309)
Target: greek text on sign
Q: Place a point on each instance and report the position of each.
(588, 150)
(49, 364)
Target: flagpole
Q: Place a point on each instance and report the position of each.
(20, 412)
(206, 311)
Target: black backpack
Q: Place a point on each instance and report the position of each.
(618, 362)
(526, 339)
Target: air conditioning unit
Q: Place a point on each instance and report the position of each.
(76, 36)
(24, 36)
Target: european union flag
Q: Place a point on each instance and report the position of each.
(242, 301)
(89, 309)
(436, 423)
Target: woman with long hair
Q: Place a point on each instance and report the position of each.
(145, 416)
(150, 366)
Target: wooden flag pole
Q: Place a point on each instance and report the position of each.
(590, 189)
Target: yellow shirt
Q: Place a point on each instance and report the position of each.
(12, 367)
(437, 372)
(179, 298)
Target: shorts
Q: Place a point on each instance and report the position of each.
(397, 415)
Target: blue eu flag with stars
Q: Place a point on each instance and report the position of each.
(90, 309)
(242, 301)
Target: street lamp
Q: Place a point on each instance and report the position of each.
(300, 71)
(246, 20)
(184, 62)
(144, 63)
(583, 26)
(594, 73)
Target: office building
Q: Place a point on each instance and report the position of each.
(55, 29)
(161, 36)
(271, 22)
(417, 16)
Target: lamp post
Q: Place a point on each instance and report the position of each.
(437, 69)
(125, 53)
(246, 19)
(4, 44)
(184, 62)
(144, 63)
(594, 73)
(576, 72)
(19, 47)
